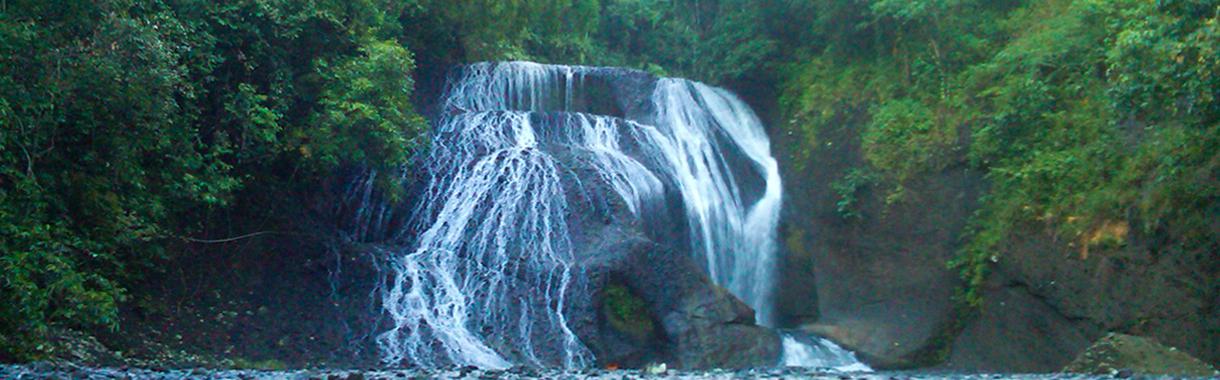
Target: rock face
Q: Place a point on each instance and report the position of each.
(1016, 331)
(1047, 290)
(882, 286)
(1140, 355)
(879, 280)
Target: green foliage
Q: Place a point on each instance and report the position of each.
(850, 189)
(366, 113)
(1086, 116)
(911, 10)
(818, 91)
(518, 29)
(905, 139)
(126, 124)
(1060, 148)
(728, 39)
(627, 313)
(1164, 62)
(95, 152)
(712, 40)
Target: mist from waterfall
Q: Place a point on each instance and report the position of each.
(490, 280)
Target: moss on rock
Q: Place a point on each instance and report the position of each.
(627, 312)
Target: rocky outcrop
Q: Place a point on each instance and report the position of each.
(1043, 287)
(1017, 331)
(1116, 353)
(697, 324)
(679, 316)
(882, 286)
(876, 282)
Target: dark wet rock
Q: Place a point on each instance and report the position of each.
(1045, 303)
(1017, 331)
(683, 319)
(697, 324)
(883, 288)
(877, 283)
(1121, 355)
(1145, 288)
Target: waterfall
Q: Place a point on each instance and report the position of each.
(491, 278)
(735, 238)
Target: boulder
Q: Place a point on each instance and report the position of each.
(655, 304)
(1015, 331)
(1116, 353)
(650, 300)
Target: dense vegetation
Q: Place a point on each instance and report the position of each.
(1093, 119)
(132, 126)
(129, 126)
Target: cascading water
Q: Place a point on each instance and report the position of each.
(493, 266)
(812, 351)
(491, 278)
(737, 239)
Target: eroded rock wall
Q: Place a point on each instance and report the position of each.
(879, 282)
